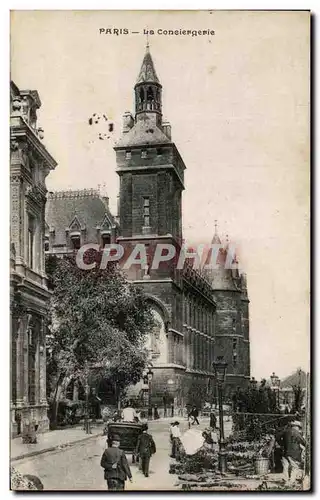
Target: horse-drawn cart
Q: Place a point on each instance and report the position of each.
(128, 433)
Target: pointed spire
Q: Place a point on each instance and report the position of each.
(216, 240)
(147, 71)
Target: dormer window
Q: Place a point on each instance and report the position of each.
(75, 242)
(144, 153)
(105, 240)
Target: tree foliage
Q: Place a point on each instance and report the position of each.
(99, 324)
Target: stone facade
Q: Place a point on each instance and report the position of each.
(200, 314)
(30, 164)
(151, 173)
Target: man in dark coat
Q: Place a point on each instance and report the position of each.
(115, 465)
(292, 444)
(194, 414)
(145, 448)
(213, 420)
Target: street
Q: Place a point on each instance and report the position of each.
(78, 467)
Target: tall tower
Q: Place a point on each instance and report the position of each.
(232, 316)
(150, 167)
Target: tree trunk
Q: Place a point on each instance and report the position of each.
(61, 383)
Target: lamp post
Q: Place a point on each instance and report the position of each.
(253, 383)
(87, 390)
(149, 376)
(220, 368)
(275, 384)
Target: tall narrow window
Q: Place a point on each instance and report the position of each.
(31, 231)
(234, 353)
(128, 155)
(146, 211)
(32, 341)
(46, 244)
(234, 358)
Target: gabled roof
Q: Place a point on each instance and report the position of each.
(67, 208)
(147, 72)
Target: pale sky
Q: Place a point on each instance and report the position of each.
(238, 104)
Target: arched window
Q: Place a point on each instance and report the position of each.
(141, 95)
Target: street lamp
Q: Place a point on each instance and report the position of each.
(87, 390)
(253, 383)
(275, 384)
(170, 384)
(220, 368)
(149, 376)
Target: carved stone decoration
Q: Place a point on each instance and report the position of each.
(36, 194)
(14, 145)
(157, 340)
(16, 105)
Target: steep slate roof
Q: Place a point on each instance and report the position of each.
(293, 379)
(147, 72)
(144, 132)
(86, 205)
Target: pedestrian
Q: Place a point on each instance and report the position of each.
(145, 449)
(213, 419)
(115, 465)
(156, 415)
(194, 414)
(172, 409)
(292, 444)
(128, 413)
(175, 438)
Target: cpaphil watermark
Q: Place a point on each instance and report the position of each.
(203, 256)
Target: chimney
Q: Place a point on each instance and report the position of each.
(166, 127)
(105, 200)
(128, 122)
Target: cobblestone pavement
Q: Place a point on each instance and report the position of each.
(78, 467)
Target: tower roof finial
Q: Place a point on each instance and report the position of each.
(147, 72)
(216, 240)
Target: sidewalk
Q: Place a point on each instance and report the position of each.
(51, 440)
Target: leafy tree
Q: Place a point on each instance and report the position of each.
(99, 324)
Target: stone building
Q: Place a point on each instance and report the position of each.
(200, 315)
(201, 318)
(76, 217)
(30, 163)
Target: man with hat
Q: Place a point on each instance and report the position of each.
(145, 448)
(115, 465)
(292, 444)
